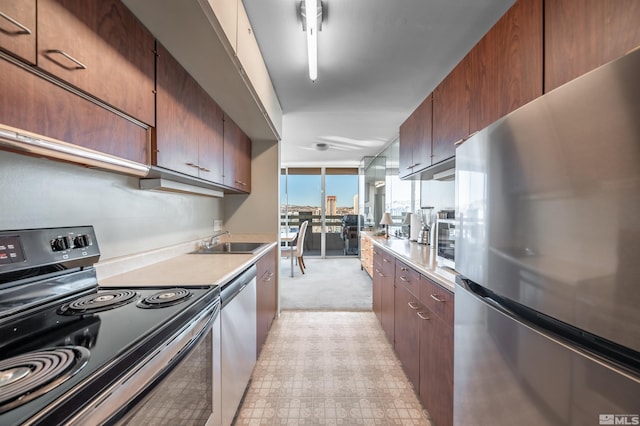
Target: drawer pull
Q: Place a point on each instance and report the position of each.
(385, 260)
(24, 29)
(436, 298)
(404, 269)
(80, 65)
(239, 182)
(413, 305)
(403, 278)
(422, 316)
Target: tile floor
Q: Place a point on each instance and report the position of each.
(329, 368)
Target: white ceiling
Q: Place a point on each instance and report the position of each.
(377, 60)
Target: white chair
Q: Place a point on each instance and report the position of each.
(298, 249)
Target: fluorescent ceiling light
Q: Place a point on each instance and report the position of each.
(311, 18)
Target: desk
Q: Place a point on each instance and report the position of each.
(288, 238)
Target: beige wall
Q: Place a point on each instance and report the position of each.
(258, 212)
(37, 193)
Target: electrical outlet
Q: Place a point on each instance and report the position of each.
(217, 225)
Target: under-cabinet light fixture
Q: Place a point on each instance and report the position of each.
(311, 11)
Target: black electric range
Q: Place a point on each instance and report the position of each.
(65, 340)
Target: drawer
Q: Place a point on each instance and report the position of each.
(408, 277)
(377, 258)
(388, 263)
(437, 299)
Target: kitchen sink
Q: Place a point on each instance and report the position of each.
(231, 248)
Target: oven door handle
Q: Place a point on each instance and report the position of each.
(118, 395)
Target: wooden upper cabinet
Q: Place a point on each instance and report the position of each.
(18, 28)
(582, 35)
(451, 103)
(506, 65)
(415, 140)
(189, 129)
(100, 47)
(31, 103)
(237, 157)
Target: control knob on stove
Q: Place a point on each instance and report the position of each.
(60, 244)
(81, 241)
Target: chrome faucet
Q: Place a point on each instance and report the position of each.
(214, 240)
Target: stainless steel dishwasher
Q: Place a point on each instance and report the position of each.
(238, 340)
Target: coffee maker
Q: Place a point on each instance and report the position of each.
(427, 228)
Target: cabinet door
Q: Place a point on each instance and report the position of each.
(100, 47)
(237, 157)
(31, 103)
(436, 368)
(415, 140)
(407, 332)
(451, 101)
(408, 131)
(226, 12)
(18, 28)
(377, 277)
(388, 295)
(178, 112)
(266, 293)
(582, 35)
(506, 65)
(211, 142)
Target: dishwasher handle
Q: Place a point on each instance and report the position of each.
(235, 286)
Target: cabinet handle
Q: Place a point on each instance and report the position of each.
(192, 165)
(241, 183)
(436, 298)
(403, 278)
(456, 143)
(422, 316)
(404, 269)
(385, 260)
(413, 165)
(24, 29)
(413, 305)
(204, 169)
(80, 65)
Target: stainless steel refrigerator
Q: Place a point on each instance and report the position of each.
(547, 306)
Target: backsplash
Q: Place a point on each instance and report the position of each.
(42, 193)
(438, 194)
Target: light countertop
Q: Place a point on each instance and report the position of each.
(420, 257)
(180, 269)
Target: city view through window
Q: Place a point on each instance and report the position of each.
(301, 200)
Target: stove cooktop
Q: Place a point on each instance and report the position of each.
(94, 343)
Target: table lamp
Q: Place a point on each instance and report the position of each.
(386, 220)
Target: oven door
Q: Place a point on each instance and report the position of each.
(178, 383)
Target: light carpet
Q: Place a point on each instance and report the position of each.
(328, 284)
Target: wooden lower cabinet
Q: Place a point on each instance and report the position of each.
(387, 295)
(267, 295)
(436, 369)
(407, 331)
(366, 254)
(416, 315)
(377, 277)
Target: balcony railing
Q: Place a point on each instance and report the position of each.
(337, 241)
